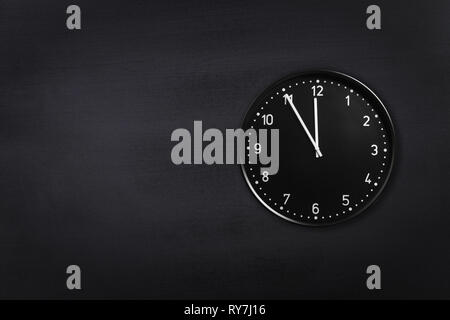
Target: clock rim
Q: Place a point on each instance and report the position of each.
(359, 85)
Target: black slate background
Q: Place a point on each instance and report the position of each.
(85, 170)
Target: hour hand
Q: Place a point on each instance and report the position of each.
(288, 98)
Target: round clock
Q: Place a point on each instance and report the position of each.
(336, 147)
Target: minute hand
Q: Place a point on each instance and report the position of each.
(316, 147)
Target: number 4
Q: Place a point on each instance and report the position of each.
(368, 179)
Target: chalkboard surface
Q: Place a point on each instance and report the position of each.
(86, 176)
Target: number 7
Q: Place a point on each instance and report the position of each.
(287, 195)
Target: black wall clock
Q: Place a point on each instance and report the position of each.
(336, 147)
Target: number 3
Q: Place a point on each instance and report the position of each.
(375, 149)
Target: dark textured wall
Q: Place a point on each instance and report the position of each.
(85, 170)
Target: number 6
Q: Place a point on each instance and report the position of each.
(315, 208)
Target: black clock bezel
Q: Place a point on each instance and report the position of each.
(356, 84)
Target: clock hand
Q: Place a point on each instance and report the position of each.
(316, 125)
(289, 99)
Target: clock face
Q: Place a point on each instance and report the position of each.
(336, 148)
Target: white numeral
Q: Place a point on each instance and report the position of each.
(345, 200)
(287, 196)
(265, 176)
(315, 208)
(287, 98)
(366, 124)
(267, 119)
(257, 148)
(375, 149)
(317, 91)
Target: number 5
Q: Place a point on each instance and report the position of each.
(345, 200)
